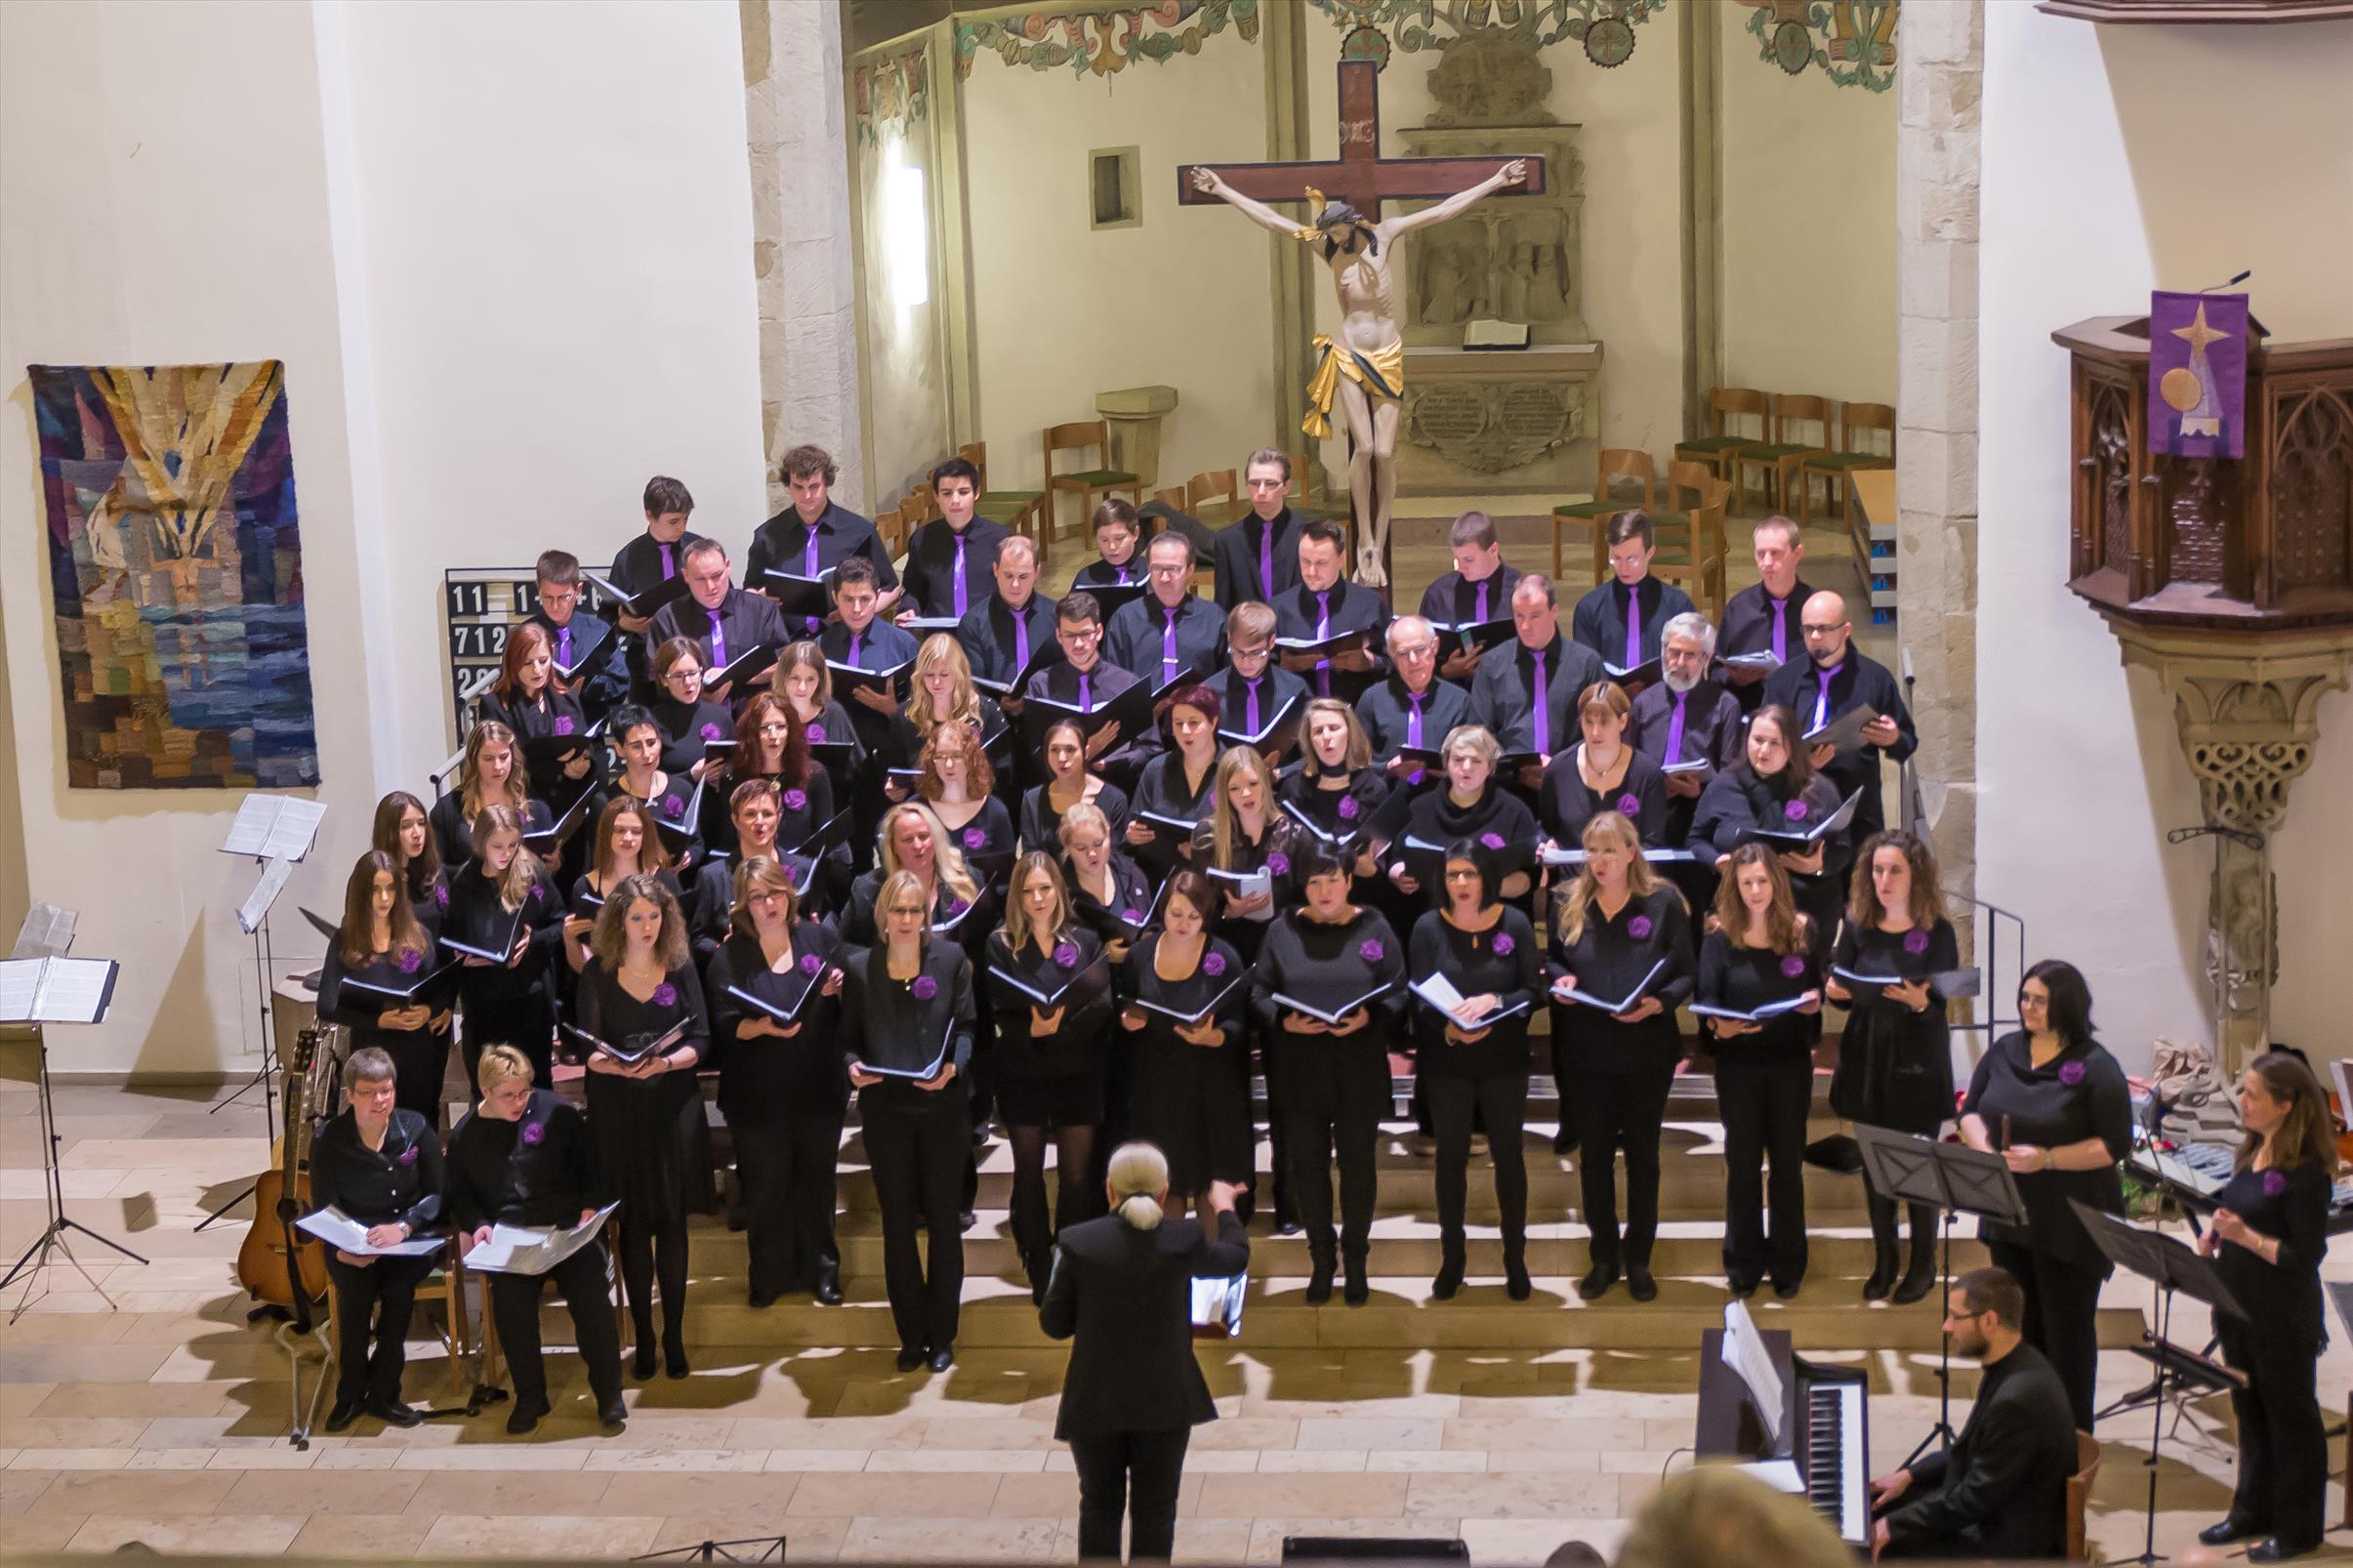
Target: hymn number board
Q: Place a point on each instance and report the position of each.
(480, 606)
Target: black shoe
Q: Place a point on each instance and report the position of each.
(392, 1413)
(1285, 1223)
(1357, 1291)
(1918, 1280)
(613, 1413)
(1516, 1283)
(1564, 1142)
(1319, 1284)
(641, 1360)
(2271, 1548)
(1741, 1284)
(1448, 1281)
(943, 1358)
(828, 1289)
(910, 1357)
(966, 1220)
(1597, 1281)
(2228, 1531)
(674, 1360)
(345, 1412)
(761, 1301)
(1638, 1283)
(524, 1417)
(1787, 1290)
(1882, 1275)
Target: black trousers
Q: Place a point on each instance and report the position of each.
(1335, 1096)
(1456, 1104)
(1765, 1108)
(2283, 1454)
(1129, 1472)
(918, 1158)
(372, 1306)
(1620, 1113)
(514, 1305)
(2062, 1318)
(786, 1171)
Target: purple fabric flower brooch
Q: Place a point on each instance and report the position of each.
(712, 732)
(816, 734)
(1627, 806)
(796, 800)
(923, 988)
(810, 963)
(535, 1133)
(1493, 841)
(1795, 811)
(1916, 941)
(974, 837)
(1793, 965)
(408, 1156)
(2071, 1073)
(673, 806)
(1503, 944)
(1066, 955)
(1371, 950)
(440, 897)
(1134, 916)
(1347, 809)
(564, 724)
(2274, 1183)
(1279, 863)
(1638, 926)
(665, 995)
(411, 963)
(1213, 965)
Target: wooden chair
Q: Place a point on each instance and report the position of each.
(1306, 504)
(891, 527)
(1692, 548)
(1615, 469)
(1221, 484)
(1837, 468)
(1085, 483)
(1017, 510)
(1788, 447)
(2078, 1493)
(446, 1286)
(1726, 404)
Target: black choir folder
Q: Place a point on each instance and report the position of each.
(1130, 710)
(1845, 733)
(849, 677)
(1041, 654)
(1813, 831)
(1334, 1014)
(408, 988)
(808, 597)
(490, 948)
(632, 1048)
(1276, 732)
(1456, 637)
(643, 606)
(916, 1070)
(589, 637)
(751, 661)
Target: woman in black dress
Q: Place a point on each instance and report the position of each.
(403, 830)
(688, 719)
(1473, 1070)
(1776, 788)
(1895, 1060)
(644, 1105)
(1175, 787)
(1050, 1061)
(1109, 891)
(1762, 951)
(504, 901)
(780, 1080)
(673, 801)
(624, 844)
(755, 806)
(546, 719)
(490, 774)
(1602, 773)
(907, 1029)
(1069, 782)
(1335, 792)
(1341, 958)
(1186, 1013)
(956, 781)
(771, 744)
(381, 946)
(1472, 809)
(2269, 1234)
(807, 687)
(2052, 1100)
(940, 690)
(1618, 930)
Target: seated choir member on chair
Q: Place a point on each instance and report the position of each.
(402, 830)
(381, 1164)
(2268, 1236)
(722, 620)
(780, 1083)
(949, 559)
(810, 537)
(380, 943)
(1834, 678)
(646, 1115)
(1166, 632)
(1476, 592)
(1327, 953)
(505, 899)
(1763, 949)
(2001, 1491)
(1601, 772)
(1258, 556)
(1615, 925)
(907, 1030)
(1526, 689)
(1116, 536)
(2052, 1099)
(520, 1157)
(1487, 950)
(1622, 619)
(1768, 617)
(1193, 1077)
(1326, 604)
(1121, 1292)
(1895, 1059)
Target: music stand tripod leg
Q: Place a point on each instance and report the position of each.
(1942, 1434)
(53, 1192)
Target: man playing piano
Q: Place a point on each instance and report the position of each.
(2001, 1491)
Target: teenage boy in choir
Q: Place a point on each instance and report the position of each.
(602, 682)
(1686, 717)
(1411, 707)
(1253, 688)
(1116, 536)
(809, 537)
(1159, 636)
(858, 636)
(1769, 617)
(1002, 631)
(1621, 619)
(950, 558)
(1834, 676)
(1257, 558)
(650, 558)
(1326, 604)
(1478, 589)
(1526, 696)
(724, 619)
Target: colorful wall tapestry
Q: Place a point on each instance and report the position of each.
(176, 563)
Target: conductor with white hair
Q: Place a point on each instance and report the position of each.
(1121, 1292)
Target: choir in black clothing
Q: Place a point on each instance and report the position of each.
(1116, 536)
(1012, 625)
(1600, 773)
(950, 558)
(386, 982)
(403, 830)
(547, 722)
(1765, 621)
(490, 772)
(1526, 690)
(1258, 556)
(690, 721)
(810, 538)
(379, 1164)
(1324, 606)
(724, 621)
(1476, 593)
(1172, 788)
(1168, 630)
(1187, 1012)
(504, 902)
(1775, 792)
(673, 801)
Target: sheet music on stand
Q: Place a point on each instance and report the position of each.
(256, 908)
(1745, 1353)
(271, 827)
(56, 990)
(46, 932)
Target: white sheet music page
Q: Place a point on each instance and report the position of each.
(1745, 1353)
(46, 932)
(74, 990)
(249, 834)
(256, 908)
(20, 987)
(295, 829)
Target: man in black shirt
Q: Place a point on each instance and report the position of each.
(1086, 680)
(950, 558)
(1003, 632)
(1621, 619)
(1834, 677)
(1526, 696)
(1166, 632)
(726, 621)
(1324, 606)
(651, 559)
(1686, 719)
(809, 537)
(2001, 1491)
(1116, 535)
(1413, 707)
(1766, 618)
(1477, 589)
(1257, 558)
(591, 647)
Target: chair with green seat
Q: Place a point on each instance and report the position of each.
(1692, 549)
(1789, 447)
(1615, 470)
(1015, 509)
(1085, 483)
(1837, 468)
(1716, 449)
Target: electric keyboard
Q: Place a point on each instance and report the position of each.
(1823, 1449)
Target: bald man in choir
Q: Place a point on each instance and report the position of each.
(1689, 722)
(1764, 625)
(1168, 630)
(1525, 694)
(1477, 591)
(1832, 678)
(726, 621)
(1326, 604)
(1623, 618)
(1015, 623)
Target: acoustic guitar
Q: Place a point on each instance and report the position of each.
(277, 1260)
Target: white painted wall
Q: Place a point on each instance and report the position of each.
(2096, 188)
(508, 264)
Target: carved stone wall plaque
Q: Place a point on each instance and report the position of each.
(1518, 261)
(1511, 419)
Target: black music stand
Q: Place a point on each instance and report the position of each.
(1908, 1167)
(2171, 1266)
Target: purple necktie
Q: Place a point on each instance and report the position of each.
(1086, 694)
(960, 574)
(1633, 627)
(1168, 644)
(1675, 731)
(1123, 574)
(1478, 612)
(1020, 641)
(670, 565)
(1822, 694)
(1413, 728)
(808, 553)
(1781, 628)
(719, 642)
(564, 646)
(852, 660)
(1544, 719)
(1266, 562)
(1323, 629)
(1250, 720)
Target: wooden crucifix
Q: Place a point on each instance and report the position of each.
(1364, 369)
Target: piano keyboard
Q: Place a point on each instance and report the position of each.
(1838, 1473)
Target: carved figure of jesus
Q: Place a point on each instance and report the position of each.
(1364, 367)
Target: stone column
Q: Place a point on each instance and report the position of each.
(802, 247)
(1938, 78)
